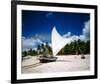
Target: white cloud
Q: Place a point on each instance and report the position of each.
(33, 41)
(50, 44)
(67, 35)
(49, 14)
(85, 33)
(28, 43)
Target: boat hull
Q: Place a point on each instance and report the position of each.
(47, 59)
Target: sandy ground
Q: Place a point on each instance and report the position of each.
(63, 64)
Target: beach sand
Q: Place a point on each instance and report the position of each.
(64, 63)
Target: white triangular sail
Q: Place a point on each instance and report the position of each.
(58, 42)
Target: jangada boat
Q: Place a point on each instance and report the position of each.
(58, 42)
(45, 59)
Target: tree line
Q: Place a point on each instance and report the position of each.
(75, 47)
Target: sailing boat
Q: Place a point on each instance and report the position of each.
(58, 42)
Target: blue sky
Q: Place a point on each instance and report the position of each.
(37, 25)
